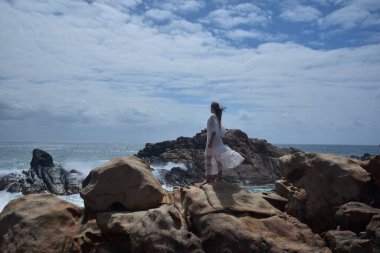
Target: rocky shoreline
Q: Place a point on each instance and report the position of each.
(43, 176)
(324, 203)
(321, 203)
(259, 167)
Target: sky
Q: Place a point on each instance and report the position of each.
(290, 72)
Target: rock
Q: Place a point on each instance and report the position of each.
(260, 165)
(329, 181)
(355, 216)
(43, 176)
(296, 198)
(286, 189)
(38, 223)
(224, 197)
(373, 229)
(364, 157)
(10, 182)
(74, 182)
(373, 167)
(41, 159)
(125, 181)
(347, 241)
(296, 206)
(275, 200)
(156, 230)
(229, 219)
(90, 239)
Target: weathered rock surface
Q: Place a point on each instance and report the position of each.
(355, 216)
(347, 241)
(125, 181)
(157, 230)
(329, 182)
(38, 223)
(275, 200)
(43, 176)
(260, 165)
(229, 219)
(216, 217)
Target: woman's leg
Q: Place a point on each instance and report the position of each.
(219, 177)
(208, 167)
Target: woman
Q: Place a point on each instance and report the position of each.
(217, 155)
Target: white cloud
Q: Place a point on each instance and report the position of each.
(300, 13)
(240, 34)
(159, 15)
(358, 13)
(102, 72)
(241, 14)
(181, 6)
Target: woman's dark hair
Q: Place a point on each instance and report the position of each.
(218, 111)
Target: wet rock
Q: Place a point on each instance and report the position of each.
(43, 176)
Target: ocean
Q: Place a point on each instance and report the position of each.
(83, 157)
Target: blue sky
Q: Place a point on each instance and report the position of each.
(292, 71)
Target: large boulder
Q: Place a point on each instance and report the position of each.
(229, 219)
(355, 216)
(38, 223)
(156, 230)
(329, 181)
(126, 182)
(260, 165)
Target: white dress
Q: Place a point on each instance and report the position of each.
(219, 152)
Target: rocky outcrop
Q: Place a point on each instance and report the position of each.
(141, 217)
(229, 219)
(43, 176)
(38, 223)
(329, 181)
(260, 165)
(125, 182)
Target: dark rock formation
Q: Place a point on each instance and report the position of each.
(43, 176)
(260, 165)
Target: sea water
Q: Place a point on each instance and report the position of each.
(83, 157)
